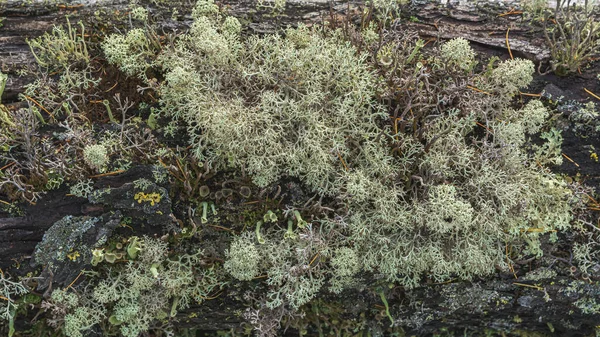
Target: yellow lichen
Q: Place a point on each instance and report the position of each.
(73, 256)
(153, 198)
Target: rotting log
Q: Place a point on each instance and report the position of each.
(501, 303)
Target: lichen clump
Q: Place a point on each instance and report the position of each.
(151, 287)
(95, 156)
(458, 53)
(242, 259)
(304, 105)
(295, 101)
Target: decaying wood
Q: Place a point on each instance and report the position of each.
(495, 303)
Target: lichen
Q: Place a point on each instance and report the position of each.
(152, 198)
(302, 165)
(62, 238)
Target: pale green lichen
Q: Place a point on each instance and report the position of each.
(139, 13)
(550, 152)
(587, 256)
(96, 156)
(131, 52)
(532, 116)
(458, 53)
(82, 188)
(345, 264)
(150, 287)
(9, 292)
(285, 129)
(205, 8)
(61, 48)
(585, 119)
(82, 319)
(436, 197)
(588, 306)
(510, 76)
(243, 258)
(540, 274)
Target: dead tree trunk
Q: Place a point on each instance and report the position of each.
(501, 302)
